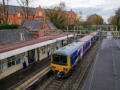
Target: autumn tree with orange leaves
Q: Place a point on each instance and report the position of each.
(95, 19)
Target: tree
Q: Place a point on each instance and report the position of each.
(1, 14)
(116, 19)
(4, 11)
(94, 20)
(25, 6)
(57, 16)
(79, 19)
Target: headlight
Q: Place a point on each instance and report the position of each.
(65, 69)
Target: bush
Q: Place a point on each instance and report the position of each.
(7, 26)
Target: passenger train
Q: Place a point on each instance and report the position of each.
(65, 58)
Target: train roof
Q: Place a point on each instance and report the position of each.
(69, 49)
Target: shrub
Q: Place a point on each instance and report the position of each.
(7, 26)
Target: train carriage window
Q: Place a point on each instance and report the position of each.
(79, 52)
(84, 47)
(75, 57)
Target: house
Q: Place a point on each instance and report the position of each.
(16, 14)
(71, 17)
(40, 27)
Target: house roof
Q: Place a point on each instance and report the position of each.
(10, 36)
(14, 9)
(32, 25)
(69, 49)
(52, 27)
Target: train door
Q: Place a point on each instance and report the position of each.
(31, 56)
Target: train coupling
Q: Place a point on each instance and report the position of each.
(60, 74)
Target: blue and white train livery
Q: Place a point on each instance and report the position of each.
(64, 59)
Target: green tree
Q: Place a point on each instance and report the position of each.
(116, 19)
(57, 16)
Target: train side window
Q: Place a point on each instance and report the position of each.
(79, 52)
(84, 47)
(75, 57)
(71, 60)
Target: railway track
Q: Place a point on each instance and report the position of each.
(55, 84)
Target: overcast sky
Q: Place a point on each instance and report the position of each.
(105, 8)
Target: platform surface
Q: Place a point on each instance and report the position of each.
(19, 77)
(105, 73)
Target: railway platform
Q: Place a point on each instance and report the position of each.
(22, 78)
(105, 73)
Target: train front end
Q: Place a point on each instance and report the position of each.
(60, 65)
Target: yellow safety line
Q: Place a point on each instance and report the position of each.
(30, 80)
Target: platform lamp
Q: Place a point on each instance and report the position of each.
(74, 33)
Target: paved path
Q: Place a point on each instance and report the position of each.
(105, 73)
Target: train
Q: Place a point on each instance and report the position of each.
(64, 59)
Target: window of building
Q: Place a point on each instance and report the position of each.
(40, 50)
(19, 21)
(10, 21)
(4, 66)
(43, 50)
(11, 61)
(18, 14)
(40, 13)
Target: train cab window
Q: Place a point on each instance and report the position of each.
(60, 59)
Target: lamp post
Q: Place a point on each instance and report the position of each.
(67, 34)
(74, 33)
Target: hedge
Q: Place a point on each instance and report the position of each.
(7, 26)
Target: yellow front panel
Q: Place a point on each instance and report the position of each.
(64, 68)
